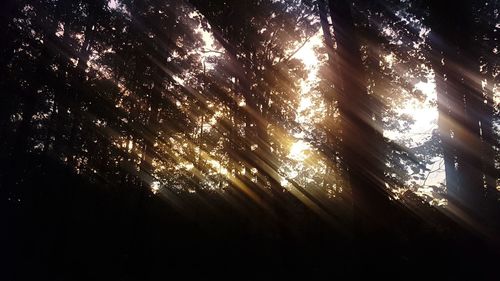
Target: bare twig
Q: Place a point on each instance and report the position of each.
(433, 171)
(296, 50)
(212, 51)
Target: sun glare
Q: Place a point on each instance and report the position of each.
(307, 54)
(299, 151)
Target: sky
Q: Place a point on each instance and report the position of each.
(424, 113)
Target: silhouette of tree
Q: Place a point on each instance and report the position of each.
(465, 110)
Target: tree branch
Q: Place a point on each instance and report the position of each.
(297, 50)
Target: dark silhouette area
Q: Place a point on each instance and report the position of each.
(249, 140)
(71, 229)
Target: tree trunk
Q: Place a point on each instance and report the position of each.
(361, 141)
(459, 100)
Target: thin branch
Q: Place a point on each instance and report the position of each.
(297, 50)
(433, 171)
(212, 51)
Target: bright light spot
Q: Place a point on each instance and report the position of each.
(155, 187)
(437, 174)
(424, 32)
(207, 38)
(74, 61)
(298, 151)
(60, 30)
(293, 174)
(424, 113)
(305, 103)
(311, 108)
(389, 59)
(254, 147)
(242, 103)
(209, 48)
(284, 182)
(307, 54)
(299, 135)
(305, 86)
(427, 88)
(496, 94)
(112, 4)
(178, 80)
(130, 145)
(389, 32)
(217, 166)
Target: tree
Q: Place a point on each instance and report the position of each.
(362, 142)
(255, 40)
(465, 120)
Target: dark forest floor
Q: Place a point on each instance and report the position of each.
(57, 226)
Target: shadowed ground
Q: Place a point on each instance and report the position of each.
(57, 226)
